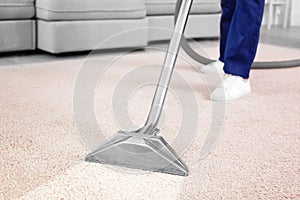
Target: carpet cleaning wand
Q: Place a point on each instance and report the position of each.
(143, 148)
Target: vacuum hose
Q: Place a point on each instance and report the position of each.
(256, 65)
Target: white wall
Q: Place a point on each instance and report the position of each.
(295, 13)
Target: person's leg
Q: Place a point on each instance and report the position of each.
(228, 8)
(242, 37)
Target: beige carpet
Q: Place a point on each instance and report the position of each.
(257, 154)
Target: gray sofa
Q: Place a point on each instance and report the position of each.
(203, 21)
(17, 26)
(76, 25)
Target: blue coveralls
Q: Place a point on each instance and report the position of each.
(240, 28)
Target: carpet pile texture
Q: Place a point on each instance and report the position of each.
(255, 155)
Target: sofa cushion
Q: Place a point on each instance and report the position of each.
(16, 9)
(167, 7)
(90, 9)
(59, 36)
(17, 35)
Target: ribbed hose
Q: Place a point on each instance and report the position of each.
(256, 65)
